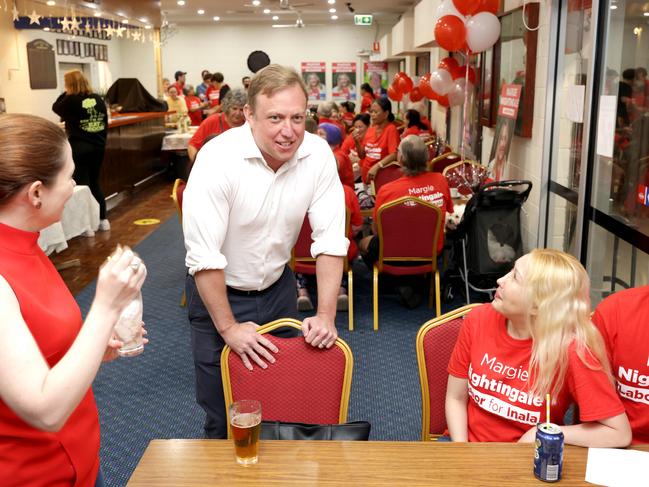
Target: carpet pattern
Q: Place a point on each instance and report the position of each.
(152, 395)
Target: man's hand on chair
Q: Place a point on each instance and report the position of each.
(319, 331)
(244, 340)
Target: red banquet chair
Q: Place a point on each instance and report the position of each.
(465, 176)
(385, 175)
(305, 384)
(439, 163)
(435, 342)
(408, 231)
(177, 196)
(302, 262)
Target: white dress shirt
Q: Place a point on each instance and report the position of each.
(241, 216)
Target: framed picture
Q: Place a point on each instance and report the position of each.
(514, 62)
(486, 88)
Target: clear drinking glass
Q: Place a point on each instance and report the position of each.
(129, 329)
(245, 421)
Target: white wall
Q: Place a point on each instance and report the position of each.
(127, 59)
(225, 48)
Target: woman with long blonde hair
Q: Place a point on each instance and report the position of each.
(86, 123)
(535, 338)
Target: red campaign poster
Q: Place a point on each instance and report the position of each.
(313, 74)
(343, 81)
(376, 74)
(510, 96)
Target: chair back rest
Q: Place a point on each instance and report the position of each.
(301, 253)
(439, 163)
(305, 384)
(386, 174)
(435, 342)
(408, 229)
(465, 176)
(177, 196)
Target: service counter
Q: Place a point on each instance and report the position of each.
(132, 150)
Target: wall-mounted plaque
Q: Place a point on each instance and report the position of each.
(42, 65)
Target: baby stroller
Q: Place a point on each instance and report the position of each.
(487, 241)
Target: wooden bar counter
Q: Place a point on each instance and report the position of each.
(132, 150)
(355, 463)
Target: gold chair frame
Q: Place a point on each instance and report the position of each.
(179, 209)
(273, 325)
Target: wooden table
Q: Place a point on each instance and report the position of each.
(358, 464)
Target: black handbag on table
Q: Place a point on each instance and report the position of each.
(279, 430)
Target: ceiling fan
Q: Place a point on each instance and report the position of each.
(299, 23)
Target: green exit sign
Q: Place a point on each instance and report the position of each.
(362, 20)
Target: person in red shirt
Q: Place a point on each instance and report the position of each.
(355, 138)
(232, 116)
(327, 112)
(347, 114)
(622, 320)
(416, 181)
(535, 338)
(381, 140)
(194, 105)
(49, 424)
(367, 97)
(332, 135)
(180, 82)
(213, 92)
(415, 125)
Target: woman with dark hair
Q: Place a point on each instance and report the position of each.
(380, 144)
(49, 427)
(86, 123)
(367, 97)
(359, 129)
(415, 126)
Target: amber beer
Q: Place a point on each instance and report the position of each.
(245, 421)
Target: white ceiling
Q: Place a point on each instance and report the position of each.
(310, 11)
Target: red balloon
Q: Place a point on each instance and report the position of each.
(443, 100)
(472, 74)
(425, 88)
(492, 6)
(466, 7)
(450, 32)
(448, 63)
(403, 82)
(394, 94)
(415, 94)
(457, 72)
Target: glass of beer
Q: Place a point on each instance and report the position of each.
(245, 421)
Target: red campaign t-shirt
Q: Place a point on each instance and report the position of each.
(345, 170)
(414, 130)
(213, 95)
(378, 146)
(429, 186)
(355, 218)
(366, 103)
(179, 88)
(348, 146)
(496, 367)
(194, 102)
(214, 124)
(623, 319)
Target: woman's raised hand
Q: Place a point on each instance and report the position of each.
(120, 279)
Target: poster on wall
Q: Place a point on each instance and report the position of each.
(510, 96)
(376, 74)
(313, 74)
(343, 81)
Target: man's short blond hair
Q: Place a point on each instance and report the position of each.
(272, 79)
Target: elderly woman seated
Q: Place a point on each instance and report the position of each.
(428, 186)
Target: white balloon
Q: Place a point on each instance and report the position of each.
(482, 31)
(441, 81)
(458, 92)
(447, 7)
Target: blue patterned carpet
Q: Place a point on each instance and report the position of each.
(152, 395)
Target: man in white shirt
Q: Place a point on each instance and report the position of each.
(243, 208)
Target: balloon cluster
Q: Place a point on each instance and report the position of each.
(467, 25)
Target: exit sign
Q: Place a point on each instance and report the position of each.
(362, 20)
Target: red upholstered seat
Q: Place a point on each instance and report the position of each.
(305, 384)
(439, 163)
(408, 231)
(386, 174)
(435, 342)
(177, 196)
(303, 263)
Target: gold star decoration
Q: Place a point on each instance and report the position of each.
(120, 31)
(109, 30)
(65, 23)
(34, 18)
(14, 12)
(136, 35)
(74, 24)
(88, 27)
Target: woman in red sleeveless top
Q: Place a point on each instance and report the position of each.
(49, 429)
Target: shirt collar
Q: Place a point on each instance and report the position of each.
(251, 151)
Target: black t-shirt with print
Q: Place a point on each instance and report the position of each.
(85, 117)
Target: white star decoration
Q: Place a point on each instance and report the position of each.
(34, 18)
(74, 24)
(136, 36)
(88, 27)
(14, 12)
(65, 24)
(109, 30)
(120, 31)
